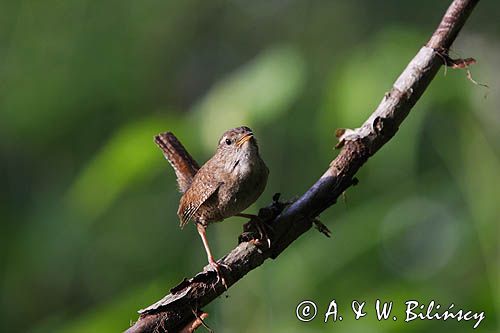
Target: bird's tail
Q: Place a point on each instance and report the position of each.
(184, 165)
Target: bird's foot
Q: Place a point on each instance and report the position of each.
(220, 275)
(263, 228)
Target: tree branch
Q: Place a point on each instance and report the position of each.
(180, 308)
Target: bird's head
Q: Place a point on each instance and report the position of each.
(238, 141)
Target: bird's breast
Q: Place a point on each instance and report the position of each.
(242, 186)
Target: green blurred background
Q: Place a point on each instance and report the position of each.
(89, 232)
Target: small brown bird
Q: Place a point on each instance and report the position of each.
(224, 186)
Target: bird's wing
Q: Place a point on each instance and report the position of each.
(200, 191)
(184, 165)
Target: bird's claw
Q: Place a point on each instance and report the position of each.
(262, 229)
(220, 276)
(257, 223)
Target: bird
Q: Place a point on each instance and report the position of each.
(228, 183)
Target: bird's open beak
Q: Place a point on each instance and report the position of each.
(244, 139)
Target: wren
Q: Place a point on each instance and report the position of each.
(224, 186)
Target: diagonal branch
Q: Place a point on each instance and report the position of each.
(179, 309)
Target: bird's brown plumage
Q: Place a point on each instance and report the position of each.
(184, 165)
(224, 186)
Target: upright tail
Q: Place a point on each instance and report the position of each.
(184, 165)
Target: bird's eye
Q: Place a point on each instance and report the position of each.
(228, 142)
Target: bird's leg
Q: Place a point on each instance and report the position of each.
(216, 266)
(260, 225)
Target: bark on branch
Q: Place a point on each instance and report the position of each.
(181, 308)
